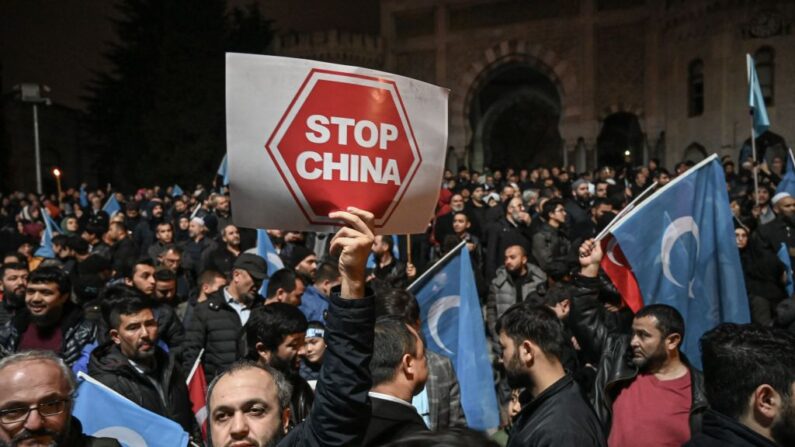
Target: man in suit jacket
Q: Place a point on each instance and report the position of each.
(399, 371)
(442, 392)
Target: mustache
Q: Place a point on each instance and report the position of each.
(25, 434)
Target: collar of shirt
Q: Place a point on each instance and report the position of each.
(391, 399)
(232, 300)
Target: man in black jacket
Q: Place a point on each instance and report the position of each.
(554, 412)
(216, 324)
(133, 365)
(50, 321)
(249, 403)
(399, 369)
(141, 276)
(275, 337)
(645, 391)
(749, 375)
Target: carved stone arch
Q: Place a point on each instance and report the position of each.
(538, 57)
(620, 107)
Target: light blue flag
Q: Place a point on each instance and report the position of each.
(83, 197)
(45, 249)
(112, 206)
(685, 255)
(266, 251)
(105, 413)
(395, 253)
(783, 255)
(53, 225)
(176, 191)
(452, 325)
(787, 183)
(223, 170)
(755, 99)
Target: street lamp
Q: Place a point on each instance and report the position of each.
(57, 173)
(32, 93)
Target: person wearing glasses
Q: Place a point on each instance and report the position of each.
(36, 396)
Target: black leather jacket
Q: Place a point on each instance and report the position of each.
(590, 323)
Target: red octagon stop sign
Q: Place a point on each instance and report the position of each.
(345, 140)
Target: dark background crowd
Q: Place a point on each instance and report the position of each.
(136, 297)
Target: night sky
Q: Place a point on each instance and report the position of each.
(60, 42)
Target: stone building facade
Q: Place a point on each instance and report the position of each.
(583, 81)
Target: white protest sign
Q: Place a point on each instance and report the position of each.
(305, 138)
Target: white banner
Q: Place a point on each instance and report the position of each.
(305, 138)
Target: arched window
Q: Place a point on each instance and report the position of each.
(765, 59)
(695, 91)
(695, 153)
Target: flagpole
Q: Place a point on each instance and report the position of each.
(195, 365)
(408, 244)
(626, 209)
(755, 167)
(433, 268)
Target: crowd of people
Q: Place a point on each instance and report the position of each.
(330, 350)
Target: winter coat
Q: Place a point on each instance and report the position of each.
(77, 332)
(109, 366)
(722, 431)
(550, 245)
(502, 295)
(216, 328)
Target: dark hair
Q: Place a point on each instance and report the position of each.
(208, 276)
(78, 244)
(387, 239)
(669, 320)
(120, 225)
(129, 268)
(392, 340)
(270, 325)
(660, 171)
(13, 254)
(12, 266)
(51, 274)
(164, 274)
(599, 201)
(398, 303)
(128, 303)
(738, 358)
(60, 240)
(539, 324)
(463, 213)
(172, 247)
(549, 207)
(454, 437)
(327, 271)
(94, 229)
(160, 224)
(557, 293)
(282, 279)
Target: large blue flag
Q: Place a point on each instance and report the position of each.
(783, 256)
(685, 255)
(112, 205)
(266, 251)
(755, 99)
(223, 170)
(45, 249)
(787, 183)
(452, 325)
(49, 220)
(104, 413)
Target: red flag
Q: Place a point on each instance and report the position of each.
(617, 268)
(197, 391)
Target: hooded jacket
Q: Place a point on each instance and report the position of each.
(109, 366)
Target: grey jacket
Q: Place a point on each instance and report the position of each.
(502, 295)
(444, 393)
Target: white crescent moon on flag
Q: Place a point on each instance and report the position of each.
(675, 230)
(126, 436)
(610, 255)
(441, 306)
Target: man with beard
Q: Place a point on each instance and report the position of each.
(578, 209)
(196, 245)
(216, 323)
(444, 223)
(275, 337)
(14, 280)
(749, 375)
(122, 248)
(36, 399)
(513, 228)
(388, 269)
(248, 404)
(132, 364)
(285, 286)
(222, 258)
(657, 399)
(50, 321)
(142, 277)
(303, 260)
(554, 412)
